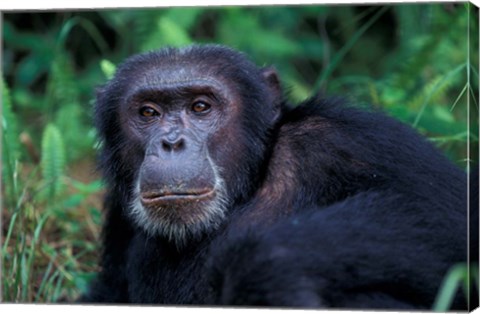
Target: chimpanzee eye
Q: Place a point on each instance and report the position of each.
(200, 107)
(148, 111)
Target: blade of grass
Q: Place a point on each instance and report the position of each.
(472, 68)
(17, 210)
(89, 27)
(459, 96)
(14, 288)
(45, 278)
(462, 136)
(432, 92)
(472, 93)
(49, 285)
(338, 57)
(24, 274)
(57, 290)
(449, 287)
(354, 20)
(9, 234)
(31, 257)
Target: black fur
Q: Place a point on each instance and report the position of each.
(330, 206)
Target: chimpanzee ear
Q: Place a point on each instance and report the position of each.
(271, 77)
(273, 82)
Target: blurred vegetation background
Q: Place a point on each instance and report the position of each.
(418, 62)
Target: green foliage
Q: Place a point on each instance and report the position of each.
(53, 160)
(338, 57)
(63, 105)
(168, 32)
(61, 88)
(412, 60)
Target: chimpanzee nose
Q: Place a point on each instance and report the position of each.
(173, 146)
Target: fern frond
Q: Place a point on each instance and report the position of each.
(62, 86)
(53, 159)
(67, 113)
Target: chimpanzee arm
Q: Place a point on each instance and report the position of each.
(372, 250)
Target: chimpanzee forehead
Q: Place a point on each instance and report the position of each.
(178, 75)
(220, 67)
(193, 62)
(176, 72)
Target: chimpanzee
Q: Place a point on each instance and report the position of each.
(219, 192)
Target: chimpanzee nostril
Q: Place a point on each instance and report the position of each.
(173, 146)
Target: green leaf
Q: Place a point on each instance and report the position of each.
(443, 114)
(82, 280)
(108, 68)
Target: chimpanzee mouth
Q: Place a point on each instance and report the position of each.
(179, 212)
(163, 197)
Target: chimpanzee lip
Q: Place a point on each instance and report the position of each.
(158, 197)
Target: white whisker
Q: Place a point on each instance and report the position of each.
(168, 225)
